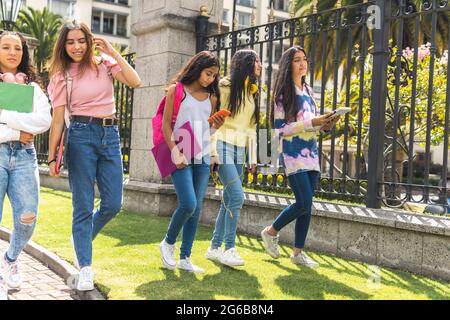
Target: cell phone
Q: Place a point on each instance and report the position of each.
(342, 110)
(222, 112)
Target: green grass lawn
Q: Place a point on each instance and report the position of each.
(127, 265)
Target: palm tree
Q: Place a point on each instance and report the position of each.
(42, 25)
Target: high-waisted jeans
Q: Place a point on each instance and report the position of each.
(94, 154)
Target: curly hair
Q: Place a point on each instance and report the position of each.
(26, 65)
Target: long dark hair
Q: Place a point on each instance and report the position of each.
(61, 61)
(26, 65)
(284, 87)
(193, 68)
(242, 67)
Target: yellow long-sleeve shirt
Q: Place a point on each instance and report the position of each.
(240, 129)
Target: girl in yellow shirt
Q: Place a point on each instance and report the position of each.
(229, 146)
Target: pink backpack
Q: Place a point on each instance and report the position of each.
(157, 120)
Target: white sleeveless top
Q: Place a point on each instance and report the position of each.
(197, 113)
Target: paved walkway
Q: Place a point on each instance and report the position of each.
(39, 282)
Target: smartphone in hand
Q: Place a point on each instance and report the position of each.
(341, 111)
(223, 112)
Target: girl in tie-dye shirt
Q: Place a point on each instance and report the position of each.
(296, 121)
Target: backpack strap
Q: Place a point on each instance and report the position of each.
(69, 85)
(179, 91)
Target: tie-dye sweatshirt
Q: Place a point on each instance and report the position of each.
(298, 139)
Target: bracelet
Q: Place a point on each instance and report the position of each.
(48, 163)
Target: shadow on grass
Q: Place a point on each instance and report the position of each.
(413, 283)
(237, 284)
(135, 229)
(306, 283)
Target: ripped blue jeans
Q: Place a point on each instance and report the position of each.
(19, 178)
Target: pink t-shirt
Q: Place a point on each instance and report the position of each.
(92, 94)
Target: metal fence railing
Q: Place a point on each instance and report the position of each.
(388, 61)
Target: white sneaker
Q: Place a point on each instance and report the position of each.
(167, 255)
(86, 279)
(214, 254)
(186, 264)
(304, 260)
(231, 258)
(270, 243)
(11, 273)
(75, 259)
(3, 290)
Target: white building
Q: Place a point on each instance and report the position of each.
(107, 18)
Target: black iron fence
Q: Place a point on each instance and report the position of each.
(124, 111)
(388, 61)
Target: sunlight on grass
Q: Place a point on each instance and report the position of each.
(127, 265)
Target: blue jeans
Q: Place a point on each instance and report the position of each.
(93, 154)
(302, 184)
(190, 185)
(232, 159)
(19, 178)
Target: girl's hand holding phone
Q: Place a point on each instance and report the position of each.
(334, 119)
(322, 120)
(217, 121)
(218, 118)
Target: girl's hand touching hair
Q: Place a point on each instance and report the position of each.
(104, 46)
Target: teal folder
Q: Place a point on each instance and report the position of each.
(16, 97)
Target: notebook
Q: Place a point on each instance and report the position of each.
(186, 142)
(16, 97)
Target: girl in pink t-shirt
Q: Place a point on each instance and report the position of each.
(93, 144)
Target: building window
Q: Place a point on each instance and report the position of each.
(65, 8)
(282, 5)
(246, 3)
(226, 16)
(96, 17)
(122, 25)
(110, 23)
(125, 2)
(244, 20)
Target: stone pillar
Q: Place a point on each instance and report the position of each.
(165, 40)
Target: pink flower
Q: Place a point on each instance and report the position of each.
(444, 58)
(408, 53)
